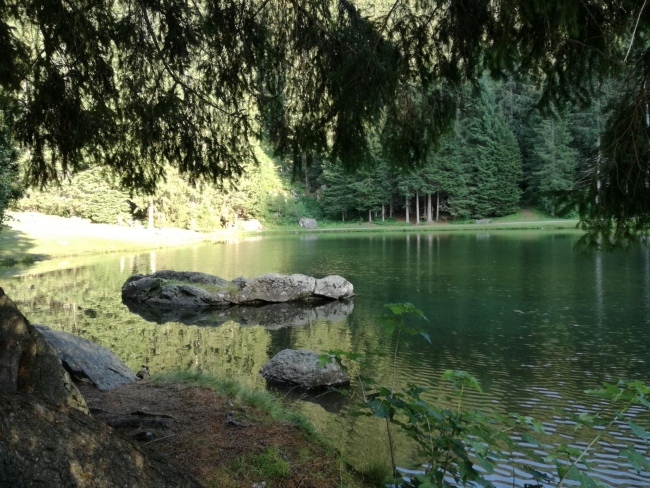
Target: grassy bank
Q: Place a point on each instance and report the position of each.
(495, 225)
(33, 237)
(270, 441)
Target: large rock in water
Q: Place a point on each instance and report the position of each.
(174, 290)
(300, 367)
(28, 364)
(178, 289)
(42, 445)
(274, 287)
(86, 359)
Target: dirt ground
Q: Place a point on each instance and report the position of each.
(220, 443)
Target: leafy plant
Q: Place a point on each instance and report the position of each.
(465, 445)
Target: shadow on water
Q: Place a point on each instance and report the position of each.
(272, 316)
(14, 251)
(331, 401)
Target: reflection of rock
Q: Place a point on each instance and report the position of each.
(300, 367)
(174, 290)
(86, 359)
(331, 401)
(28, 364)
(272, 316)
(45, 445)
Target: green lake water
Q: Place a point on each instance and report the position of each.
(534, 320)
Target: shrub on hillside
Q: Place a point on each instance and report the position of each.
(88, 194)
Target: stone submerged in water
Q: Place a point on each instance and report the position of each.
(86, 359)
(177, 289)
(300, 367)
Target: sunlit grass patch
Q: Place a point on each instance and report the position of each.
(268, 465)
(376, 472)
(236, 390)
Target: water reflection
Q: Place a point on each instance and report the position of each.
(271, 316)
(536, 322)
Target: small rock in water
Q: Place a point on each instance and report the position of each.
(260, 485)
(302, 367)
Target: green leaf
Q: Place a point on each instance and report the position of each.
(485, 464)
(638, 430)
(324, 359)
(379, 408)
(636, 459)
(529, 439)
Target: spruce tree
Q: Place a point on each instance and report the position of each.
(554, 162)
(493, 156)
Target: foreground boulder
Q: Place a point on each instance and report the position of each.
(271, 316)
(29, 364)
(43, 445)
(173, 290)
(308, 223)
(86, 359)
(300, 367)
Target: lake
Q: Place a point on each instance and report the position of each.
(534, 320)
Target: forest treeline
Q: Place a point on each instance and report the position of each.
(501, 153)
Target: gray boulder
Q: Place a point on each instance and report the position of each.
(86, 359)
(178, 289)
(334, 287)
(300, 367)
(174, 290)
(43, 445)
(308, 223)
(274, 287)
(29, 364)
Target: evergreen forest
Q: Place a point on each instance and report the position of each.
(502, 153)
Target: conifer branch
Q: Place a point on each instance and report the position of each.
(175, 77)
(636, 25)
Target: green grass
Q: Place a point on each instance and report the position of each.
(268, 464)
(232, 388)
(527, 215)
(376, 473)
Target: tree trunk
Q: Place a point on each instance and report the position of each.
(437, 205)
(151, 210)
(429, 213)
(383, 212)
(390, 206)
(304, 165)
(417, 208)
(369, 215)
(407, 210)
